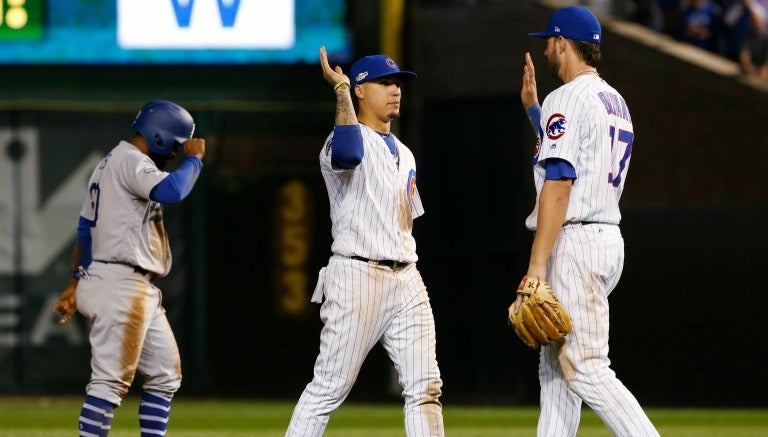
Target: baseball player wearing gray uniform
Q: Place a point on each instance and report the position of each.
(121, 248)
(371, 287)
(584, 146)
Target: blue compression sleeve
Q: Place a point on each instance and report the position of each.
(178, 184)
(84, 241)
(534, 116)
(347, 147)
(558, 169)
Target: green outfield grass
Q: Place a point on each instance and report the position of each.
(57, 417)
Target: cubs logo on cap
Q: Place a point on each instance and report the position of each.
(573, 22)
(375, 66)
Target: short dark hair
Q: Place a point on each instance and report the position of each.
(589, 52)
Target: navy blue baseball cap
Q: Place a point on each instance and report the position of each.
(376, 66)
(573, 22)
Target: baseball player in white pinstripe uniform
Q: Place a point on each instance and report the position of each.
(585, 137)
(121, 247)
(371, 287)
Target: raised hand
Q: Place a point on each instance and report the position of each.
(528, 92)
(332, 75)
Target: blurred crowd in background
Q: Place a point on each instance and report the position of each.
(735, 29)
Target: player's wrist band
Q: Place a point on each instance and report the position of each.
(343, 82)
(534, 116)
(78, 273)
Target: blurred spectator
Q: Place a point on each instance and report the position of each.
(736, 29)
(746, 24)
(700, 24)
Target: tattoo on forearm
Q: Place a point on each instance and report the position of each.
(345, 111)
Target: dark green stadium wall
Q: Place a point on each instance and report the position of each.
(256, 230)
(694, 208)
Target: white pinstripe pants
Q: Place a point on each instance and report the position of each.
(365, 304)
(584, 267)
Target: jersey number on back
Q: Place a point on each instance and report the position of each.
(625, 137)
(95, 192)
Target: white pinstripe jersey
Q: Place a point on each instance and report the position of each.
(586, 122)
(129, 227)
(374, 204)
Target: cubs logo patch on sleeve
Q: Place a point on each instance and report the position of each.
(556, 126)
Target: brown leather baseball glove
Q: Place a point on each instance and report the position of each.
(541, 319)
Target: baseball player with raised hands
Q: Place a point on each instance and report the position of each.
(121, 247)
(371, 287)
(585, 136)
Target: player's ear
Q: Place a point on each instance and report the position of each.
(559, 41)
(359, 91)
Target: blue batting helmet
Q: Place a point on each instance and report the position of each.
(163, 124)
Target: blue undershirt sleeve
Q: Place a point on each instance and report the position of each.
(558, 169)
(84, 241)
(534, 116)
(178, 184)
(347, 147)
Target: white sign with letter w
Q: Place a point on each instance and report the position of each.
(206, 24)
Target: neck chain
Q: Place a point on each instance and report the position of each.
(585, 71)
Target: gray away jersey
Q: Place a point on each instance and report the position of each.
(128, 226)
